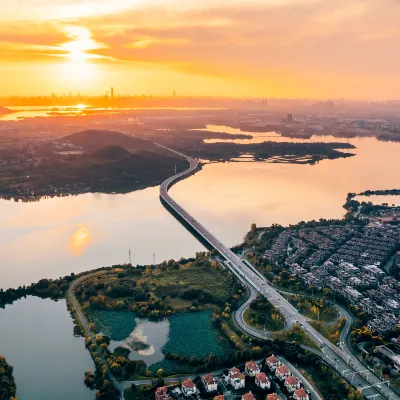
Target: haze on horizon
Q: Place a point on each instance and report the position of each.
(282, 48)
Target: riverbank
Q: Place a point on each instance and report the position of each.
(8, 387)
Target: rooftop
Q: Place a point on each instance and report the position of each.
(188, 384)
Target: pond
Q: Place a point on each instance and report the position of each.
(146, 341)
(36, 337)
(185, 334)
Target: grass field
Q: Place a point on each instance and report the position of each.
(215, 286)
(174, 287)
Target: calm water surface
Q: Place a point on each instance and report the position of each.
(79, 109)
(57, 236)
(154, 334)
(36, 337)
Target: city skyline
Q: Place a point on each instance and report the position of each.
(303, 48)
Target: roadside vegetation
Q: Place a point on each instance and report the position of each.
(296, 335)
(330, 331)
(313, 308)
(137, 393)
(329, 383)
(262, 315)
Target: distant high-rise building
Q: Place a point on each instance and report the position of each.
(112, 92)
(289, 118)
(174, 93)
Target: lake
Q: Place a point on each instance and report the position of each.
(36, 337)
(57, 236)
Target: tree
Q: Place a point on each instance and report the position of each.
(116, 369)
(90, 379)
(103, 347)
(160, 373)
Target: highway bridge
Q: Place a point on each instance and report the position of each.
(345, 364)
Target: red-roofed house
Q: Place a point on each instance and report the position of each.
(162, 393)
(262, 381)
(248, 396)
(251, 368)
(273, 396)
(220, 397)
(292, 384)
(301, 394)
(236, 379)
(188, 387)
(209, 383)
(282, 372)
(273, 362)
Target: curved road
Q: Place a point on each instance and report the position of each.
(346, 364)
(81, 317)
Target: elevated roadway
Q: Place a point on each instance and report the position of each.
(346, 364)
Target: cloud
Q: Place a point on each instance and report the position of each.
(304, 43)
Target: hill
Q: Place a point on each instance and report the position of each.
(97, 139)
(107, 169)
(110, 153)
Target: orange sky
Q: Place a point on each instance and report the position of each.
(286, 48)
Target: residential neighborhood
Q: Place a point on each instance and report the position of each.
(268, 379)
(349, 261)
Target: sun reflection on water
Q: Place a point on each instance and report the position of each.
(79, 241)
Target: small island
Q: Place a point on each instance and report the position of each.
(275, 152)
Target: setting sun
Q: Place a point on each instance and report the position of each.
(77, 49)
(201, 48)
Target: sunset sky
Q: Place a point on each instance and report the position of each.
(285, 48)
